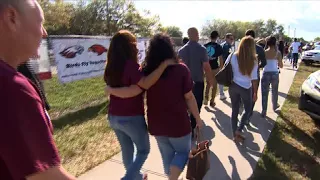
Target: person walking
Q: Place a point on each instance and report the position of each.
(195, 56)
(261, 63)
(271, 75)
(214, 51)
(227, 49)
(245, 80)
(27, 150)
(295, 52)
(126, 116)
(168, 101)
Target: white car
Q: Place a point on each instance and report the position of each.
(311, 56)
(309, 101)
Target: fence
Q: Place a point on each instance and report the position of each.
(77, 95)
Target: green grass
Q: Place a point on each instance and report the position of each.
(81, 132)
(64, 98)
(293, 149)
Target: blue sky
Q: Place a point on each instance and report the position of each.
(302, 15)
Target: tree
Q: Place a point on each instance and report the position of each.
(57, 16)
(238, 28)
(99, 17)
(317, 39)
(173, 31)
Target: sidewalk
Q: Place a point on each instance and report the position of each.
(228, 161)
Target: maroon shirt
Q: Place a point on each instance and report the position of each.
(27, 145)
(130, 106)
(167, 108)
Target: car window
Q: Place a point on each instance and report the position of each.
(317, 48)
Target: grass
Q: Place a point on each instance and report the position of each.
(81, 132)
(293, 148)
(70, 97)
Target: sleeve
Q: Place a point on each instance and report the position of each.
(219, 51)
(132, 72)
(254, 73)
(180, 53)
(25, 132)
(187, 80)
(205, 57)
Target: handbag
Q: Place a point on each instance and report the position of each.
(199, 162)
(225, 75)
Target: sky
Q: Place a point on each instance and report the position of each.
(304, 16)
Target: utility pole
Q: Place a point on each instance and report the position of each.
(289, 31)
(294, 33)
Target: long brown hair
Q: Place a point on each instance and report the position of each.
(246, 55)
(123, 47)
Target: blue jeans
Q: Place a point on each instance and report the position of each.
(267, 79)
(221, 90)
(131, 130)
(174, 151)
(237, 94)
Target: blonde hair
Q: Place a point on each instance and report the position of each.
(246, 55)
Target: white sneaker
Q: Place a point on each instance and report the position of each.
(223, 97)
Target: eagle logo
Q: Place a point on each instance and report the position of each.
(71, 51)
(98, 49)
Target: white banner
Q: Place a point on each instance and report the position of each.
(41, 65)
(81, 58)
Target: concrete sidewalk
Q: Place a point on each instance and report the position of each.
(228, 161)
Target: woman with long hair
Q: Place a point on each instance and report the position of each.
(271, 75)
(126, 116)
(168, 101)
(245, 74)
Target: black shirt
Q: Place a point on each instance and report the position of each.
(214, 50)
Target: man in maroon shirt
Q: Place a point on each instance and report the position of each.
(27, 148)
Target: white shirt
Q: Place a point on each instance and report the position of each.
(295, 47)
(238, 77)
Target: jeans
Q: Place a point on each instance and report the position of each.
(131, 130)
(267, 79)
(174, 151)
(214, 87)
(197, 90)
(237, 94)
(295, 58)
(221, 90)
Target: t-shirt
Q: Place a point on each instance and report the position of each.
(194, 55)
(240, 79)
(295, 47)
(214, 50)
(27, 145)
(226, 50)
(167, 108)
(128, 106)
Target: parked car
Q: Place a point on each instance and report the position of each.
(309, 101)
(311, 56)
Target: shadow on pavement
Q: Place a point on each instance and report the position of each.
(263, 126)
(234, 175)
(207, 134)
(222, 121)
(217, 170)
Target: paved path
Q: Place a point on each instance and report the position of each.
(228, 161)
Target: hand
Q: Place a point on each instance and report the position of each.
(169, 62)
(255, 97)
(200, 123)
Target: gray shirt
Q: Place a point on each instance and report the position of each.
(194, 55)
